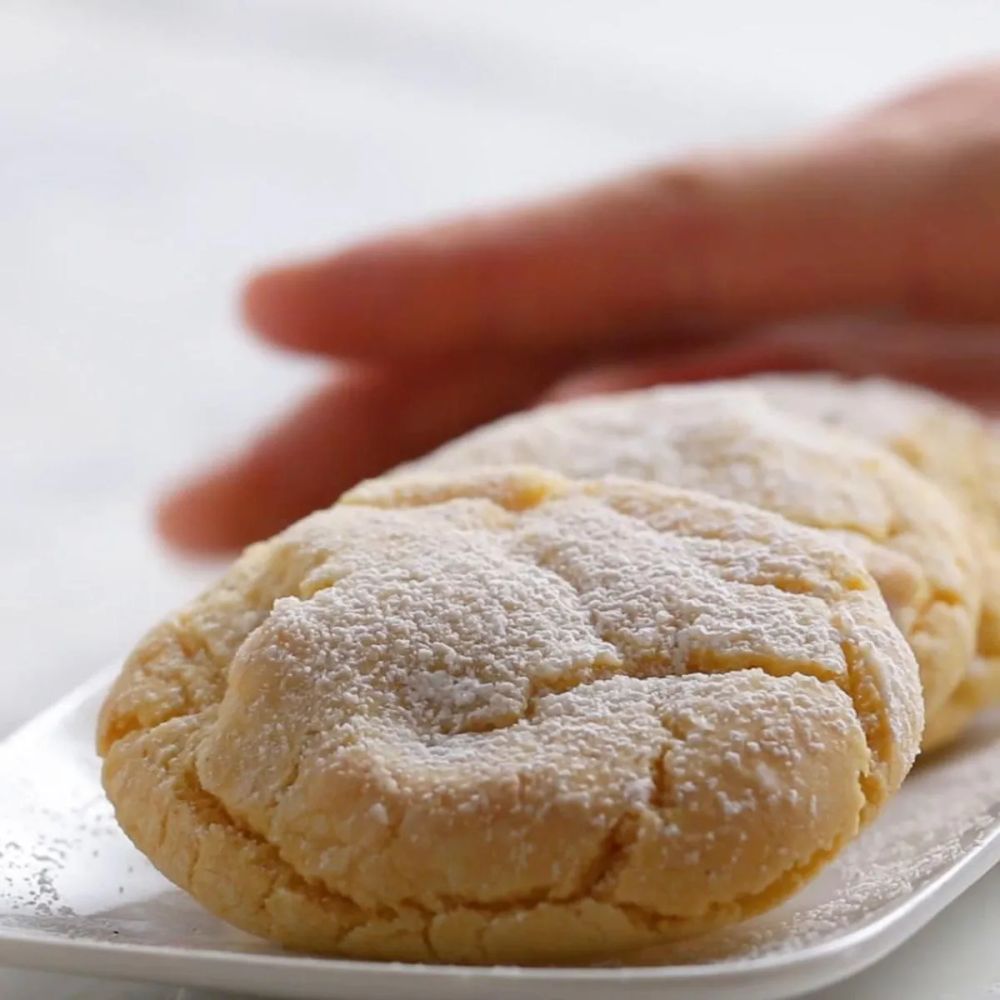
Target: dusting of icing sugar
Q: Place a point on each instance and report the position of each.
(951, 444)
(723, 439)
(730, 440)
(877, 409)
(472, 623)
(614, 651)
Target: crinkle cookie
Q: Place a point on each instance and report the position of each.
(509, 717)
(730, 441)
(950, 444)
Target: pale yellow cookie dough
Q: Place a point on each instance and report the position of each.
(730, 441)
(956, 448)
(509, 717)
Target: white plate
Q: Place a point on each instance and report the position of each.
(75, 896)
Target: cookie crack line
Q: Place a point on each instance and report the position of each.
(852, 687)
(624, 832)
(189, 635)
(939, 592)
(777, 582)
(124, 725)
(870, 784)
(721, 663)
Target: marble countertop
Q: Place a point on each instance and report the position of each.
(150, 154)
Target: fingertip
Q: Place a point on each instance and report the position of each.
(254, 297)
(268, 303)
(327, 306)
(188, 519)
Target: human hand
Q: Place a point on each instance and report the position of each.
(676, 272)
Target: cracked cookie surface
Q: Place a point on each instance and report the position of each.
(727, 439)
(953, 446)
(510, 717)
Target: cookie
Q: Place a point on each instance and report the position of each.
(730, 441)
(948, 443)
(510, 717)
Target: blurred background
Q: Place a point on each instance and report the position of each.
(151, 153)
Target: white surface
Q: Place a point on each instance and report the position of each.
(150, 153)
(78, 897)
